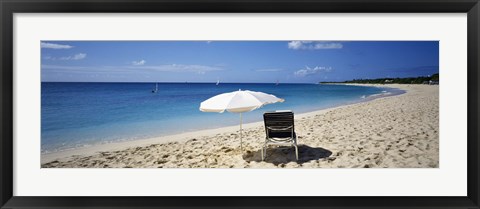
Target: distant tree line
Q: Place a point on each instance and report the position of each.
(411, 80)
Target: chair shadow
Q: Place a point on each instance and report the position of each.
(283, 155)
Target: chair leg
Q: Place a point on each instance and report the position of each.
(263, 155)
(296, 151)
(264, 151)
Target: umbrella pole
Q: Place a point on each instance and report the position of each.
(241, 121)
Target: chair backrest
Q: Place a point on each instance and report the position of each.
(279, 120)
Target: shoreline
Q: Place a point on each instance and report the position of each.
(184, 137)
(104, 140)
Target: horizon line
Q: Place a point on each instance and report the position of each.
(213, 82)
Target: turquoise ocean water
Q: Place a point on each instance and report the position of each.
(83, 114)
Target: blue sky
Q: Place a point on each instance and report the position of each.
(235, 61)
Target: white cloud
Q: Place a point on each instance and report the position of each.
(328, 46)
(141, 62)
(269, 70)
(295, 44)
(307, 71)
(60, 67)
(54, 46)
(200, 69)
(78, 56)
(314, 45)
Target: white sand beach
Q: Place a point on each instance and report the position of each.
(391, 132)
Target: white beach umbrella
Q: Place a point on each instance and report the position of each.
(238, 102)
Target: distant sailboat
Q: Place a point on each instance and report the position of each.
(218, 82)
(276, 84)
(156, 88)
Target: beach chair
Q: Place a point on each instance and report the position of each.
(280, 130)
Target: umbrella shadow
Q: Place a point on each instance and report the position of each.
(283, 155)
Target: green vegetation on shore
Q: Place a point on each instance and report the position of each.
(433, 79)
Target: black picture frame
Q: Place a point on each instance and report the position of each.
(10, 7)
